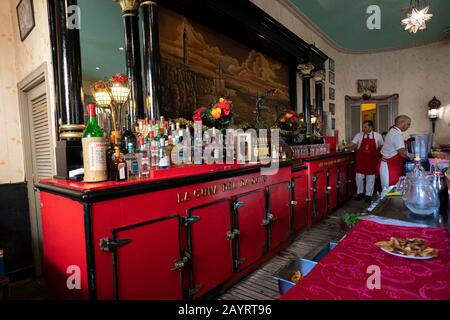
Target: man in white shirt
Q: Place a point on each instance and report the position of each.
(394, 152)
(367, 144)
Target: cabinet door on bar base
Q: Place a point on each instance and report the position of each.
(351, 175)
(279, 213)
(319, 196)
(300, 202)
(250, 212)
(343, 184)
(332, 191)
(145, 260)
(209, 246)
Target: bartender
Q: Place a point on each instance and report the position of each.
(367, 144)
(394, 152)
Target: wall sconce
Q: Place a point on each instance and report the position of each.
(433, 111)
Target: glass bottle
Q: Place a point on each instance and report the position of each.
(94, 149)
(154, 150)
(198, 143)
(118, 166)
(109, 154)
(128, 136)
(132, 162)
(164, 161)
(143, 159)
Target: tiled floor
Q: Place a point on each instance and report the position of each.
(259, 284)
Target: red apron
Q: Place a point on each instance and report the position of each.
(367, 157)
(395, 168)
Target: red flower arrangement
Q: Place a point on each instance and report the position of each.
(119, 77)
(218, 114)
(290, 121)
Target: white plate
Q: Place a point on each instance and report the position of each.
(407, 257)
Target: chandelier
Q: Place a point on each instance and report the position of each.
(416, 17)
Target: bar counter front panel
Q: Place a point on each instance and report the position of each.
(181, 240)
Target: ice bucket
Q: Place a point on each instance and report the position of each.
(284, 274)
(324, 251)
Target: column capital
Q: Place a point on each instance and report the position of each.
(129, 7)
(318, 75)
(305, 69)
(148, 3)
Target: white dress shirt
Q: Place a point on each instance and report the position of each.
(372, 135)
(392, 143)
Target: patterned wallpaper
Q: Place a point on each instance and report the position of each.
(17, 60)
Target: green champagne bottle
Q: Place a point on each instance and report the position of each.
(94, 149)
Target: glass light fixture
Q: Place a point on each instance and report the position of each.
(120, 93)
(120, 90)
(417, 17)
(112, 95)
(103, 99)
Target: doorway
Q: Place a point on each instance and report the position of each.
(38, 148)
(380, 110)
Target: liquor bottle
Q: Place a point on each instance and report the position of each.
(169, 147)
(118, 166)
(198, 143)
(109, 154)
(215, 141)
(128, 136)
(94, 149)
(164, 161)
(154, 151)
(143, 159)
(132, 162)
(157, 130)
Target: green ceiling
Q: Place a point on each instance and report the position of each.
(101, 36)
(344, 23)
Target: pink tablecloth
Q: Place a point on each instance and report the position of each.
(342, 274)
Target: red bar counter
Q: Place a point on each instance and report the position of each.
(331, 182)
(182, 233)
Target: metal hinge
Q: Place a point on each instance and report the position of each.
(294, 203)
(194, 290)
(308, 200)
(108, 245)
(232, 234)
(190, 220)
(270, 217)
(238, 262)
(238, 204)
(180, 264)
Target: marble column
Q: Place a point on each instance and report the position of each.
(305, 71)
(130, 14)
(319, 77)
(152, 60)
